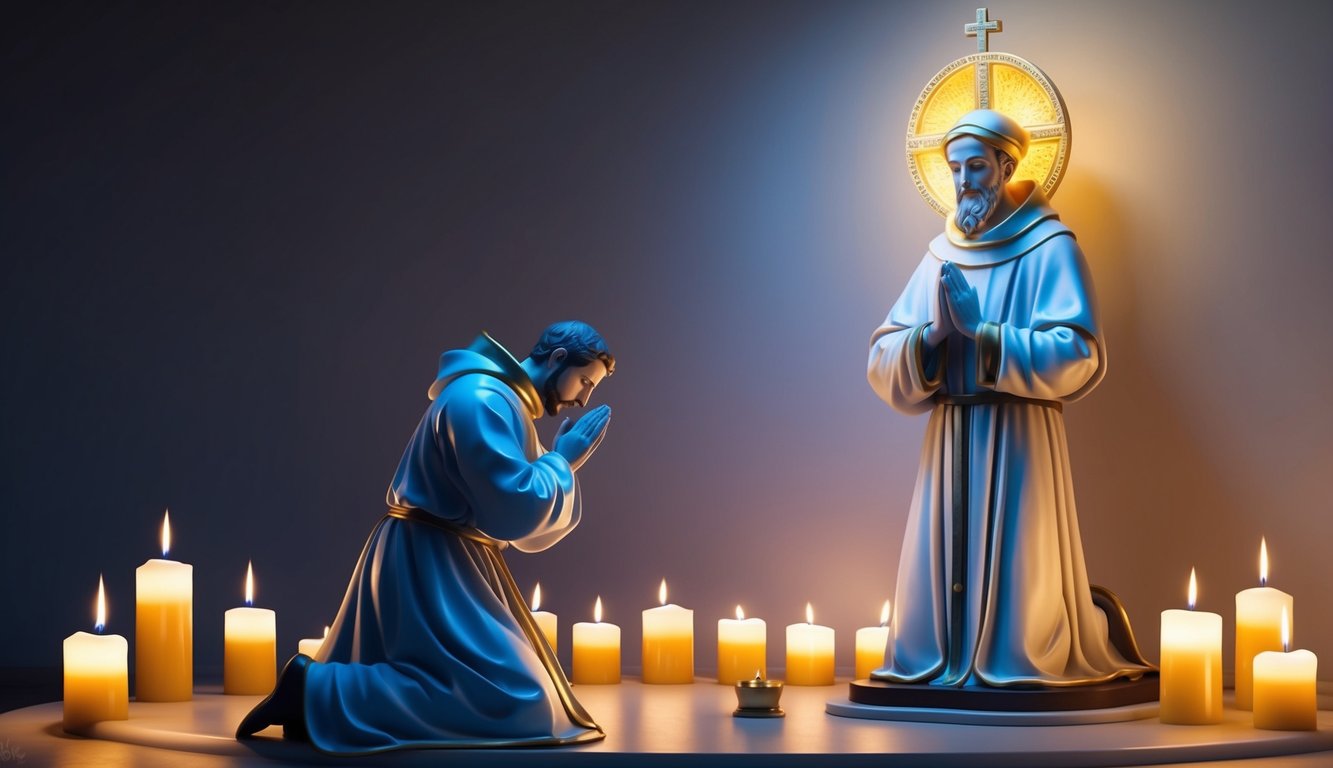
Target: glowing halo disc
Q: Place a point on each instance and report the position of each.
(991, 80)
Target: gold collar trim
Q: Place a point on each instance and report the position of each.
(512, 372)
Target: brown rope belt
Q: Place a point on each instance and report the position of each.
(995, 398)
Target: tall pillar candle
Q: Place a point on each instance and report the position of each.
(809, 652)
(872, 645)
(97, 683)
(596, 653)
(1191, 668)
(1258, 627)
(742, 645)
(250, 643)
(164, 627)
(668, 643)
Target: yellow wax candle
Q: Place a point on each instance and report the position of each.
(548, 622)
(1284, 687)
(97, 681)
(596, 650)
(1257, 627)
(164, 627)
(668, 642)
(742, 645)
(250, 656)
(809, 652)
(1191, 668)
(872, 645)
(310, 645)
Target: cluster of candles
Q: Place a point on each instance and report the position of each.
(1277, 684)
(96, 679)
(742, 646)
(1274, 682)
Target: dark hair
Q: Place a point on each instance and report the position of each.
(581, 341)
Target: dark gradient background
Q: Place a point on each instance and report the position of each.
(235, 237)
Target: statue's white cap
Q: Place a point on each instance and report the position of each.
(995, 129)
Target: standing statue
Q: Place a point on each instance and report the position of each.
(433, 645)
(996, 330)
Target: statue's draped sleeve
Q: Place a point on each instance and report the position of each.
(899, 369)
(531, 503)
(1057, 352)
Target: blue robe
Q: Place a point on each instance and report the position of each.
(433, 646)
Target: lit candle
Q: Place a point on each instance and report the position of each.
(809, 652)
(164, 627)
(1257, 627)
(250, 655)
(872, 644)
(668, 642)
(1284, 688)
(97, 681)
(742, 645)
(548, 621)
(310, 645)
(1191, 669)
(596, 650)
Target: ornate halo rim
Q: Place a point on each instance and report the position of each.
(1061, 128)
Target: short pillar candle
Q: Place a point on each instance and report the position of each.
(668, 643)
(1284, 688)
(809, 652)
(742, 645)
(596, 653)
(97, 682)
(250, 646)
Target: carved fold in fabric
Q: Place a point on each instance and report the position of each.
(988, 353)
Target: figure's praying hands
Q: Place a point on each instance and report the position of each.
(961, 299)
(576, 441)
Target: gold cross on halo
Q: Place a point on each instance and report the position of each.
(981, 29)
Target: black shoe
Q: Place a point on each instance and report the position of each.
(285, 706)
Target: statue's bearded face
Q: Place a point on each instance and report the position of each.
(979, 176)
(570, 386)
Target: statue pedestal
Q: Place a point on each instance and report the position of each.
(1116, 701)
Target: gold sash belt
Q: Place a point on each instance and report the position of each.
(522, 614)
(415, 515)
(995, 398)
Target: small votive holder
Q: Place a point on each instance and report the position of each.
(758, 698)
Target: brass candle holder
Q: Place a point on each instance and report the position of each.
(758, 698)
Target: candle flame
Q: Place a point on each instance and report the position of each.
(740, 615)
(884, 614)
(1194, 589)
(1263, 562)
(759, 675)
(597, 610)
(326, 631)
(166, 532)
(101, 604)
(1286, 630)
(661, 593)
(537, 597)
(809, 614)
(250, 583)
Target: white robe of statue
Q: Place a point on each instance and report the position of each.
(429, 648)
(1007, 601)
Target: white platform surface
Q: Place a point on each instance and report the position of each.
(650, 725)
